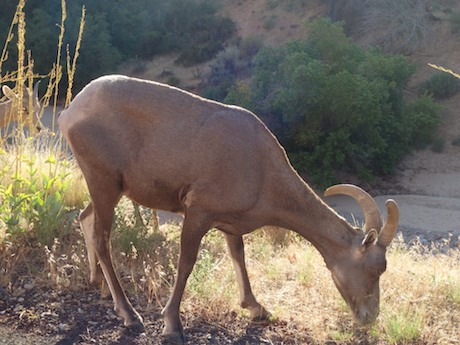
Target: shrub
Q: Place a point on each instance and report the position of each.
(173, 81)
(40, 195)
(272, 4)
(456, 141)
(241, 94)
(335, 106)
(269, 23)
(250, 46)
(441, 85)
(226, 68)
(161, 27)
(438, 145)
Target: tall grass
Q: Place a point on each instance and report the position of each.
(41, 188)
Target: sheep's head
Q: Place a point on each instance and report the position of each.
(356, 274)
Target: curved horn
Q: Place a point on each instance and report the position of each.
(370, 208)
(35, 94)
(391, 225)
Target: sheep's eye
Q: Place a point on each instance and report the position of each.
(381, 270)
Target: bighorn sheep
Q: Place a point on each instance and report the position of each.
(9, 110)
(220, 167)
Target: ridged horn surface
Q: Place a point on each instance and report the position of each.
(369, 206)
(35, 94)
(391, 225)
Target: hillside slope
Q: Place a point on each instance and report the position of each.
(425, 183)
(423, 172)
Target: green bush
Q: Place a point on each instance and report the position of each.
(250, 46)
(228, 65)
(241, 94)
(456, 141)
(438, 145)
(441, 85)
(173, 81)
(269, 23)
(335, 106)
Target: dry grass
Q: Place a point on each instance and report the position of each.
(420, 292)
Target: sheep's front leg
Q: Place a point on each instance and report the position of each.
(248, 301)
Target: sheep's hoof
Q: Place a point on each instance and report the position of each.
(264, 315)
(174, 338)
(136, 327)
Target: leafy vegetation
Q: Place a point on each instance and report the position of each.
(336, 106)
(441, 85)
(120, 31)
(37, 200)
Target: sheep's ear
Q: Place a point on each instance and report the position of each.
(9, 93)
(369, 240)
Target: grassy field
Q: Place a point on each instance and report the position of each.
(420, 292)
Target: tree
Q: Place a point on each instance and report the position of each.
(336, 106)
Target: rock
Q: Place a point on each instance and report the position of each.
(62, 327)
(21, 299)
(68, 297)
(28, 286)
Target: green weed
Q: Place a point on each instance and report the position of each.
(30, 206)
(201, 281)
(131, 230)
(403, 325)
(453, 291)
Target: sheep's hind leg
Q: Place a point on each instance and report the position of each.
(97, 276)
(248, 301)
(97, 224)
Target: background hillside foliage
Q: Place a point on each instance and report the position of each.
(337, 106)
(117, 31)
(334, 105)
